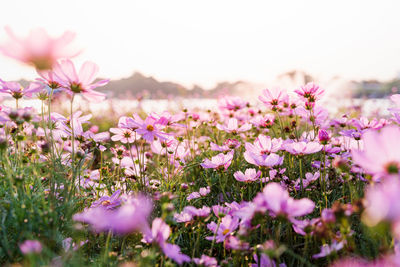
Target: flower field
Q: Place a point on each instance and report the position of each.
(279, 183)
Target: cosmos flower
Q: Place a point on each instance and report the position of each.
(274, 98)
(30, 246)
(38, 48)
(270, 160)
(226, 227)
(381, 153)
(232, 103)
(220, 161)
(159, 233)
(206, 261)
(130, 217)
(17, 91)
(310, 92)
(277, 200)
(74, 82)
(303, 148)
(232, 126)
(250, 175)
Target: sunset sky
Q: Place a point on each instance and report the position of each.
(207, 41)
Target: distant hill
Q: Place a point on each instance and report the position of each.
(139, 85)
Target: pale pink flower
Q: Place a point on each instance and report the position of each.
(381, 153)
(263, 160)
(326, 249)
(232, 103)
(220, 161)
(274, 98)
(233, 127)
(303, 148)
(264, 145)
(227, 226)
(276, 199)
(310, 92)
(250, 175)
(38, 48)
(17, 91)
(74, 82)
(30, 246)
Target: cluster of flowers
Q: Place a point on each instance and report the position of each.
(245, 180)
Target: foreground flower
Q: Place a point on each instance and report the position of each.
(326, 249)
(83, 82)
(277, 200)
(381, 153)
(130, 217)
(382, 203)
(30, 246)
(39, 49)
(220, 161)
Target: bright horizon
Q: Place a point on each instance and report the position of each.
(204, 42)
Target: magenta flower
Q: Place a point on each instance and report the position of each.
(39, 49)
(233, 127)
(250, 175)
(277, 200)
(227, 226)
(17, 91)
(381, 153)
(274, 98)
(219, 162)
(30, 246)
(303, 148)
(74, 83)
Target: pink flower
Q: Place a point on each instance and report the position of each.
(82, 82)
(207, 261)
(30, 246)
(38, 49)
(220, 161)
(17, 91)
(264, 145)
(302, 148)
(232, 127)
(310, 92)
(148, 128)
(277, 200)
(273, 99)
(159, 233)
(381, 153)
(382, 202)
(227, 226)
(263, 160)
(250, 175)
(326, 249)
(123, 135)
(130, 217)
(231, 103)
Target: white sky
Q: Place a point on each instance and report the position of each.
(206, 41)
